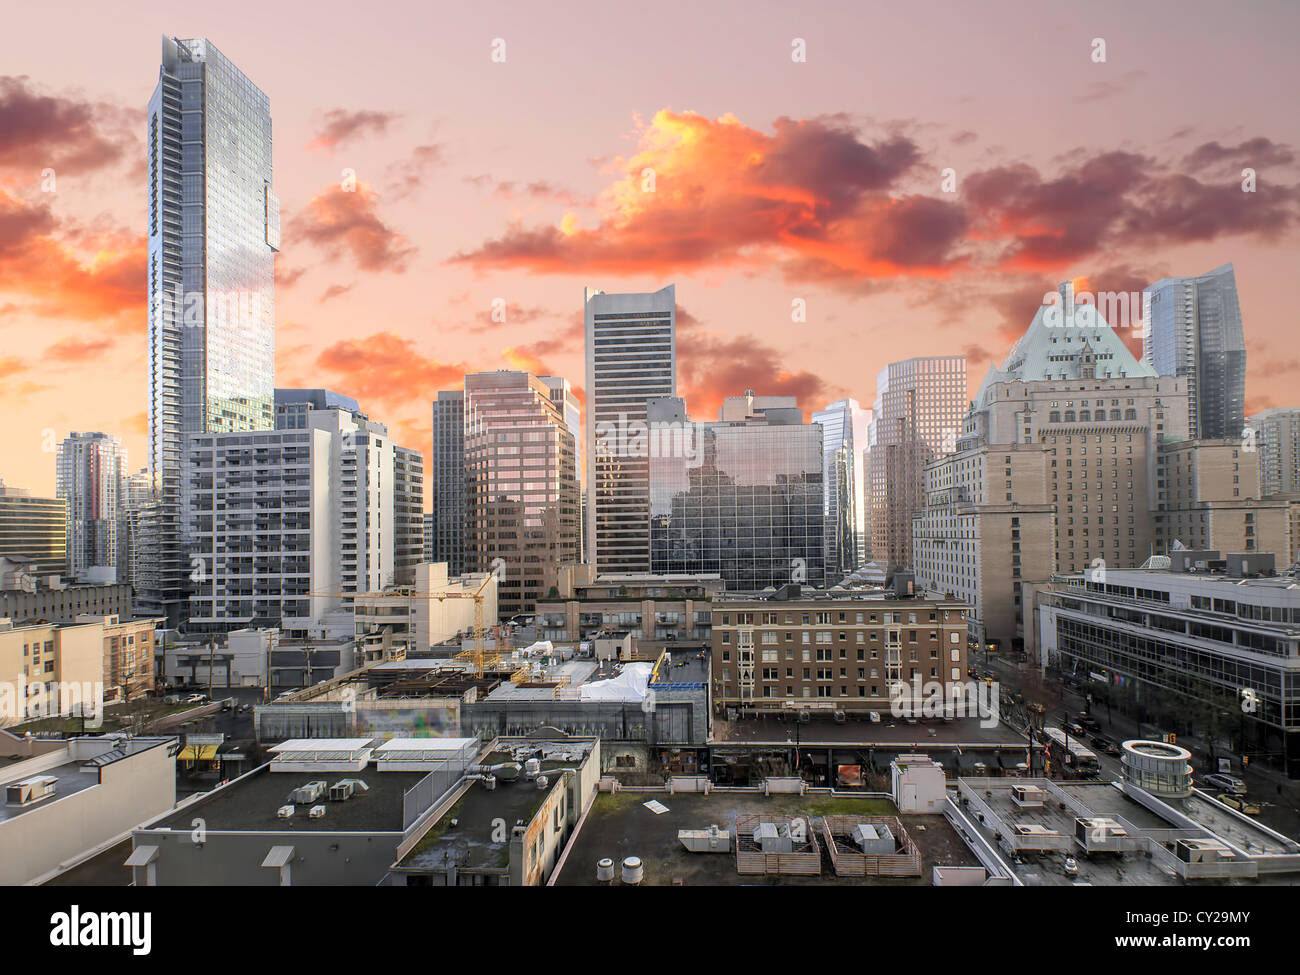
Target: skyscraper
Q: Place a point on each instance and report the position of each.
(447, 481)
(521, 484)
(631, 358)
(1195, 332)
(214, 228)
(290, 523)
(1277, 445)
(741, 497)
(843, 425)
(89, 473)
(917, 418)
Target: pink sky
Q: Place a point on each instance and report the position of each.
(775, 180)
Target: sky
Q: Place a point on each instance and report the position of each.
(914, 178)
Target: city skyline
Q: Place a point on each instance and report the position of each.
(390, 292)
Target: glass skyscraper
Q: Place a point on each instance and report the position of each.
(214, 229)
(1195, 332)
(742, 498)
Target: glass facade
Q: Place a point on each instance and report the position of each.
(213, 234)
(744, 500)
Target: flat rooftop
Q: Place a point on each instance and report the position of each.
(618, 825)
(74, 777)
(250, 804)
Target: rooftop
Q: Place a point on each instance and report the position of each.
(249, 803)
(619, 825)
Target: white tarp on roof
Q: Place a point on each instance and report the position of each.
(542, 648)
(630, 685)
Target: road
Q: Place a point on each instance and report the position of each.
(1277, 796)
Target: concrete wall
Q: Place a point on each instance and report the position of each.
(131, 790)
(235, 858)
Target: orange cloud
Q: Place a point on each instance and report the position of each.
(347, 221)
(388, 370)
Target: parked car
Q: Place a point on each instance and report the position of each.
(1238, 803)
(195, 699)
(1228, 783)
(1089, 722)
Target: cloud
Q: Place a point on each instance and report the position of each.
(1101, 90)
(73, 350)
(407, 176)
(705, 192)
(334, 291)
(287, 277)
(711, 368)
(342, 222)
(342, 126)
(92, 275)
(388, 370)
(1255, 153)
(66, 134)
(818, 202)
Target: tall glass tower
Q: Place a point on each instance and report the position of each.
(1195, 332)
(214, 229)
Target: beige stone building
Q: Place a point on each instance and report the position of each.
(1210, 498)
(49, 668)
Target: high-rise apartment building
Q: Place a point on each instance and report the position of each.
(89, 477)
(567, 400)
(33, 531)
(447, 481)
(917, 418)
(631, 359)
(521, 486)
(742, 497)
(1195, 332)
(288, 524)
(214, 228)
(1276, 442)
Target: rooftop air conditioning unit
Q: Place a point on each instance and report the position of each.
(31, 790)
(309, 793)
(284, 812)
(316, 812)
(340, 791)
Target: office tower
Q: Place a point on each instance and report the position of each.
(521, 484)
(917, 418)
(1055, 469)
(844, 425)
(89, 473)
(567, 400)
(1195, 332)
(291, 523)
(742, 497)
(408, 513)
(631, 359)
(427, 525)
(214, 228)
(447, 480)
(33, 531)
(1276, 441)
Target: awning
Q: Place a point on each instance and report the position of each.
(278, 856)
(198, 753)
(141, 856)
